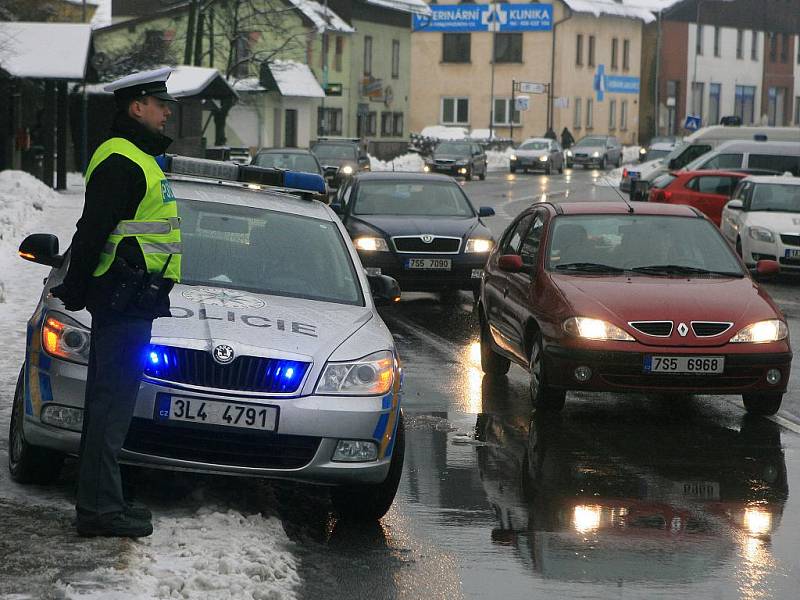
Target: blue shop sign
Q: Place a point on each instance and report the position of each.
(613, 84)
(466, 18)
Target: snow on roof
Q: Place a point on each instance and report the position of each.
(183, 82)
(410, 6)
(248, 84)
(653, 5)
(295, 79)
(628, 8)
(44, 50)
(102, 13)
(323, 19)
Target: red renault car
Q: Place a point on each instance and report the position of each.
(630, 298)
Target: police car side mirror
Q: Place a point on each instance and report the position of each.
(385, 290)
(337, 207)
(41, 248)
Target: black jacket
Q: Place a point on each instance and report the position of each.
(113, 194)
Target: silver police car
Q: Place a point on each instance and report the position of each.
(275, 362)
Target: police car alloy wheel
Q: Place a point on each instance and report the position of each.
(27, 463)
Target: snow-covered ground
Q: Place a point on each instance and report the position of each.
(497, 160)
(207, 547)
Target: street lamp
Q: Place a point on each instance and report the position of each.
(494, 25)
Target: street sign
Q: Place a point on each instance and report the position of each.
(522, 103)
(532, 88)
(502, 17)
(692, 123)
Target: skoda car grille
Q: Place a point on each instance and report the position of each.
(417, 244)
(791, 239)
(653, 328)
(710, 328)
(244, 373)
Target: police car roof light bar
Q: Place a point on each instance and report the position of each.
(217, 169)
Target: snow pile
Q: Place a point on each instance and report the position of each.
(207, 556)
(630, 154)
(610, 179)
(442, 132)
(406, 162)
(498, 160)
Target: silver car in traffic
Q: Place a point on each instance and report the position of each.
(274, 363)
(537, 154)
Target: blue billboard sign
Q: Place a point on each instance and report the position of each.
(467, 18)
(613, 84)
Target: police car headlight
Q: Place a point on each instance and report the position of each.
(347, 170)
(371, 244)
(65, 338)
(372, 375)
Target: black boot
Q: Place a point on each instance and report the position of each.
(117, 524)
(137, 511)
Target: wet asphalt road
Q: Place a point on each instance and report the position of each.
(618, 497)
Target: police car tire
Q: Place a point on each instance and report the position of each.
(368, 503)
(28, 463)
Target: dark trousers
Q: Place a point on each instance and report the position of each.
(116, 362)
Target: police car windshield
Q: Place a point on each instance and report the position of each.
(411, 198)
(266, 252)
(290, 160)
(334, 151)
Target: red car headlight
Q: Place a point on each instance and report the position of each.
(772, 330)
(595, 329)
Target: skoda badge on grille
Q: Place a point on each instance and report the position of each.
(223, 354)
(427, 238)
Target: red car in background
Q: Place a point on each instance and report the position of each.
(632, 298)
(707, 191)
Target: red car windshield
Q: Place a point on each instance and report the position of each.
(649, 244)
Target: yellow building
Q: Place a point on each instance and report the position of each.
(577, 69)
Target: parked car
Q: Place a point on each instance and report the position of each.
(630, 298)
(762, 220)
(460, 159)
(595, 150)
(658, 147)
(293, 159)
(707, 191)
(340, 158)
(537, 154)
(420, 229)
(702, 141)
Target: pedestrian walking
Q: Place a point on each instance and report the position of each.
(566, 138)
(124, 259)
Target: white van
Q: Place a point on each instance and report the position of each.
(780, 157)
(702, 141)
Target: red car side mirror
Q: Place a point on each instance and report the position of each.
(765, 268)
(510, 263)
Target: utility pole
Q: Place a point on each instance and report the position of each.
(656, 94)
(187, 53)
(325, 51)
(494, 25)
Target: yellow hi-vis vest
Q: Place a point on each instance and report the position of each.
(155, 225)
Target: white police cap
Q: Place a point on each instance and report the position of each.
(144, 83)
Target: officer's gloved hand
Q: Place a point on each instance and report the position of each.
(72, 299)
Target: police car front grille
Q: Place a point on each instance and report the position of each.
(219, 446)
(244, 373)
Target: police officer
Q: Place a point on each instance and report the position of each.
(125, 257)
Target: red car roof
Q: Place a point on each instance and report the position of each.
(619, 208)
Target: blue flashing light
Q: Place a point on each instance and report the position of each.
(289, 374)
(154, 358)
(309, 182)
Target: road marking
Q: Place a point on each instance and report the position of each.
(785, 423)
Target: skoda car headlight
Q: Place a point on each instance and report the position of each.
(478, 245)
(761, 234)
(347, 170)
(772, 330)
(544, 158)
(595, 329)
(372, 375)
(371, 244)
(596, 154)
(65, 338)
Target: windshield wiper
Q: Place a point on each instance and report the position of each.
(589, 267)
(682, 270)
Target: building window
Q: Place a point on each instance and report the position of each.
(739, 43)
(754, 46)
(773, 47)
(397, 127)
(367, 55)
(797, 43)
(508, 47)
(577, 119)
(776, 107)
(673, 88)
(714, 93)
(697, 98)
(784, 48)
(579, 50)
(372, 123)
(395, 59)
(589, 113)
(612, 114)
(504, 113)
(716, 40)
(614, 48)
(455, 47)
(626, 55)
(323, 57)
(337, 57)
(797, 110)
(698, 43)
(623, 116)
(745, 103)
(386, 124)
(329, 121)
(455, 111)
(590, 58)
